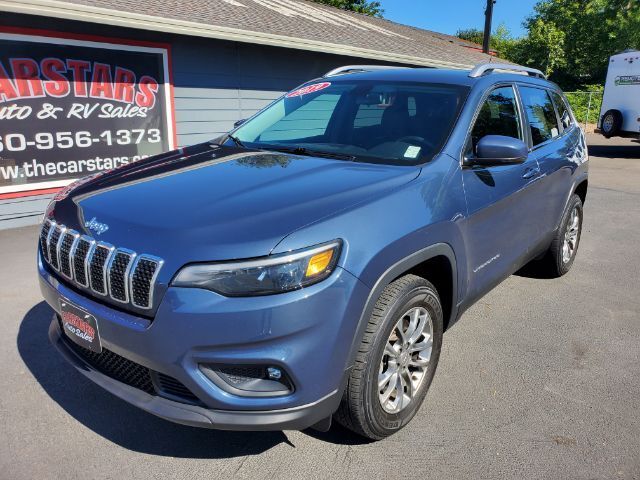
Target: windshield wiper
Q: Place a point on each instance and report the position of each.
(236, 140)
(311, 153)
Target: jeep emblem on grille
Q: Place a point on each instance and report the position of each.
(96, 226)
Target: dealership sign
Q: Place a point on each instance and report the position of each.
(70, 107)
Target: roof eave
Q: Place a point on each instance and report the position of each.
(85, 13)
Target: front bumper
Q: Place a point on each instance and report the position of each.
(295, 418)
(308, 333)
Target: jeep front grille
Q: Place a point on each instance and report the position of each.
(142, 278)
(67, 240)
(52, 246)
(98, 268)
(101, 268)
(119, 275)
(44, 240)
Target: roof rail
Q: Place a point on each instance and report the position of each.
(484, 68)
(359, 68)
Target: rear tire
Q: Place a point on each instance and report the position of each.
(559, 258)
(611, 123)
(408, 307)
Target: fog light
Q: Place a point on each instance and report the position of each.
(249, 380)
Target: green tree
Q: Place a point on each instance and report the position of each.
(501, 40)
(474, 35)
(543, 47)
(372, 8)
(572, 40)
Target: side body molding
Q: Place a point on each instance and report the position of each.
(395, 270)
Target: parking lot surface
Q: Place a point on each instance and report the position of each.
(540, 379)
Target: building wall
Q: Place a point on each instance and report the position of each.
(215, 83)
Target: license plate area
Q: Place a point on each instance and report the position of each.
(80, 326)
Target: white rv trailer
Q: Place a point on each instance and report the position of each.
(620, 111)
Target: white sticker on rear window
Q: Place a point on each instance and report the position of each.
(412, 152)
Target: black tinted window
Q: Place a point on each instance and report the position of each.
(498, 116)
(540, 113)
(563, 111)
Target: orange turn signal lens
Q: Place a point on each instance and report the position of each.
(319, 263)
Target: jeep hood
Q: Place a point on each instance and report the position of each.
(207, 203)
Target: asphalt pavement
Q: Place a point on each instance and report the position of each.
(540, 379)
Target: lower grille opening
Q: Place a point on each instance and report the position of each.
(237, 375)
(173, 387)
(131, 373)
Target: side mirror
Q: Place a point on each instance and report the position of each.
(493, 150)
(237, 123)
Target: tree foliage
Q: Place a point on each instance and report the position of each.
(368, 7)
(501, 40)
(474, 35)
(571, 40)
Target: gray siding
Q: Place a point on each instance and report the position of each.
(19, 212)
(215, 83)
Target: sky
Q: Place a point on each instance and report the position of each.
(449, 16)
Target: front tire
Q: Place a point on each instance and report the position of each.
(396, 360)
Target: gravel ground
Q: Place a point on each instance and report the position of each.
(540, 379)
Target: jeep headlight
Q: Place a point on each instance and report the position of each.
(263, 276)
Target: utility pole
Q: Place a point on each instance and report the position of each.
(488, 13)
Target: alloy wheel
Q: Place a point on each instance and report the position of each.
(405, 360)
(571, 236)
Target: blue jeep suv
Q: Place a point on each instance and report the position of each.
(304, 266)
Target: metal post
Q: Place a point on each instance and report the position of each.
(588, 111)
(488, 13)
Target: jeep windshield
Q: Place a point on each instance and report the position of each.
(369, 121)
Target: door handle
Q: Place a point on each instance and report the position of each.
(531, 172)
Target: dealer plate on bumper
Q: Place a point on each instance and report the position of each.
(80, 326)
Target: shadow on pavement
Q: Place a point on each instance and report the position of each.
(535, 269)
(616, 151)
(116, 420)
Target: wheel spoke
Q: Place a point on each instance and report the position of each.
(400, 389)
(401, 332)
(407, 383)
(392, 386)
(389, 350)
(414, 321)
(575, 220)
(419, 362)
(417, 333)
(423, 345)
(384, 377)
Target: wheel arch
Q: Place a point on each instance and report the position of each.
(581, 190)
(436, 263)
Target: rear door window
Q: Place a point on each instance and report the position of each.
(563, 111)
(540, 114)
